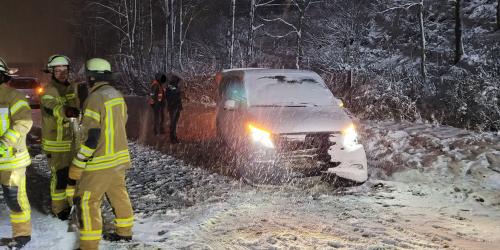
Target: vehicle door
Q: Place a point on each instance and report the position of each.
(231, 108)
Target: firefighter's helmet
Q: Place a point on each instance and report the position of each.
(58, 60)
(98, 65)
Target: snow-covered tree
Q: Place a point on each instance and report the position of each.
(459, 48)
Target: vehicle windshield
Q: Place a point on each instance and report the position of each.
(290, 90)
(24, 83)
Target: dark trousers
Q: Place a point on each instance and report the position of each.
(158, 117)
(174, 118)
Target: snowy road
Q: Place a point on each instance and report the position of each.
(445, 193)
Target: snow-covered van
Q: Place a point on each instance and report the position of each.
(273, 116)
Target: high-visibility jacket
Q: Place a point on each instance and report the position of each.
(56, 129)
(15, 123)
(104, 138)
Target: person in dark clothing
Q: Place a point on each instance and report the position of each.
(157, 102)
(174, 105)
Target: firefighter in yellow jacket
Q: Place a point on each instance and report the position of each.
(59, 104)
(101, 163)
(15, 123)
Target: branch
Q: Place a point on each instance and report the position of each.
(280, 36)
(112, 24)
(257, 27)
(406, 7)
(279, 19)
(107, 7)
(266, 3)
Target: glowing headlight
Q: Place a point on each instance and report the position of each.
(341, 103)
(350, 136)
(261, 136)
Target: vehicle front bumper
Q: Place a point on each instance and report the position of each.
(346, 162)
(352, 163)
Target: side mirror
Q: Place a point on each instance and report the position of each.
(230, 105)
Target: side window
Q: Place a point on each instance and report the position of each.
(234, 90)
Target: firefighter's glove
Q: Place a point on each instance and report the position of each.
(71, 112)
(75, 174)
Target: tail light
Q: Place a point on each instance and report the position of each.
(39, 90)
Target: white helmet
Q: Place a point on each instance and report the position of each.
(58, 60)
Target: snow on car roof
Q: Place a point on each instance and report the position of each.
(263, 71)
(239, 69)
(286, 86)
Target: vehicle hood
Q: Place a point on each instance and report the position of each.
(283, 120)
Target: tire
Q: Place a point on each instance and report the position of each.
(339, 182)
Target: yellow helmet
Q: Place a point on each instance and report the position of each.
(58, 60)
(3, 67)
(98, 65)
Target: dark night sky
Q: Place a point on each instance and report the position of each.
(32, 30)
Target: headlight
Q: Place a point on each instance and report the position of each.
(341, 103)
(260, 136)
(350, 136)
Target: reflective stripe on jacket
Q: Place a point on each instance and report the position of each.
(104, 138)
(15, 123)
(56, 133)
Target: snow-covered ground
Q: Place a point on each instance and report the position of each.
(431, 188)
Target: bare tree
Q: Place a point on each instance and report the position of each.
(254, 5)
(150, 27)
(233, 19)
(459, 48)
(302, 6)
(181, 40)
(498, 14)
(172, 33)
(251, 30)
(420, 15)
(166, 12)
(422, 39)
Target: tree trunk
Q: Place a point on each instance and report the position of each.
(298, 56)
(498, 14)
(422, 40)
(233, 17)
(181, 40)
(172, 35)
(459, 49)
(167, 12)
(150, 27)
(251, 32)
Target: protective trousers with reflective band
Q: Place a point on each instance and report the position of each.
(14, 192)
(91, 189)
(59, 167)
